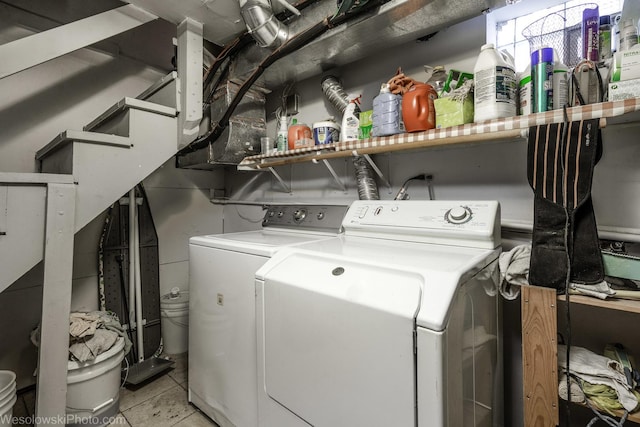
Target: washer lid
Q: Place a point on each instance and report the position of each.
(336, 328)
(259, 242)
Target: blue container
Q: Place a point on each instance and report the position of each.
(387, 113)
(326, 132)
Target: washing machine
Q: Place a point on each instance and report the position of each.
(222, 326)
(395, 322)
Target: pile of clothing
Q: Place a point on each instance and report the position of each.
(91, 334)
(604, 382)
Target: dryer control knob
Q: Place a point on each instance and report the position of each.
(299, 215)
(320, 216)
(458, 215)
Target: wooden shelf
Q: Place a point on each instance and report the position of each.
(630, 306)
(506, 129)
(634, 417)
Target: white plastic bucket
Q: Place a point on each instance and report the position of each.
(8, 397)
(94, 385)
(174, 318)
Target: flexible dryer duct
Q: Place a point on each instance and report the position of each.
(336, 95)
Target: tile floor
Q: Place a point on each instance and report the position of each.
(159, 402)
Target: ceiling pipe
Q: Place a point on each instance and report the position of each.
(262, 23)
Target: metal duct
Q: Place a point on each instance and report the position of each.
(263, 25)
(332, 89)
(336, 95)
(392, 24)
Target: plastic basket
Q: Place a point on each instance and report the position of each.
(566, 41)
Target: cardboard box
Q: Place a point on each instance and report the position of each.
(624, 90)
(626, 65)
(450, 112)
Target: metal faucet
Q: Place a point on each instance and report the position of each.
(402, 193)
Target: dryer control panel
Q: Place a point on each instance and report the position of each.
(310, 217)
(459, 223)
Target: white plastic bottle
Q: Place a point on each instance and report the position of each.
(350, 123)
(524, 91)
(560, 83)
(495, 85)
(281, 140)
(630, 12)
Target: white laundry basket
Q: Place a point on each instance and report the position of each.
(93, 388)
(174, 317)
(7, 397)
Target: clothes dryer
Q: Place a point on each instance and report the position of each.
(222, 326)
(393, 323)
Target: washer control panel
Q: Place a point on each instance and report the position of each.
(455, 222)
(313, 217)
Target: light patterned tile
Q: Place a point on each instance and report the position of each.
(180, 372)
(131, 396)
(164, 410)
(197, 419)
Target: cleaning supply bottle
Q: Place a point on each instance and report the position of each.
(418, 111)
(605, 43)
(299, 135)
(524, 91)
(560, 83)
(387, 113)
(281, 139)
(495, 85)
(350, 121)
(630, 12)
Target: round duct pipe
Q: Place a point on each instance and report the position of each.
(336, 95)
(263, 25)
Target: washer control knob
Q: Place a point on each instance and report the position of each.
(280, 214)
(320, 216)
(458, 215)
(271, 214)
(299, 215)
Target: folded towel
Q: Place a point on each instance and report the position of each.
(600, 290)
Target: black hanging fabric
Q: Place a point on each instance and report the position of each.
(560, 164)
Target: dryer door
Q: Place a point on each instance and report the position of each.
(339, 340)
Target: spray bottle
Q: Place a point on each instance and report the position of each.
(351, 121)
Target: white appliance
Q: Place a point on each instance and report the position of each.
(393, 323)
(222, 327)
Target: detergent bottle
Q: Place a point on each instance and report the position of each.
(299, 135)
(495, 85)
(418, 112)
(387, 113)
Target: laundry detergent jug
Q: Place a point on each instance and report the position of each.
(495, 85)
(418, 112)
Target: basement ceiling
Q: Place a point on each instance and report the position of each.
(221, 18)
